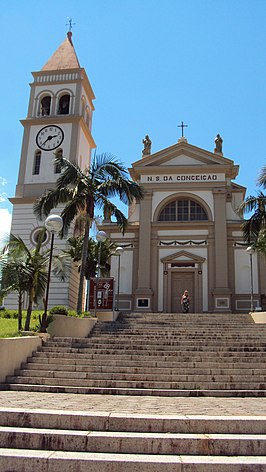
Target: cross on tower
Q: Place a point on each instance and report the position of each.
(70, 23)
(182, 126)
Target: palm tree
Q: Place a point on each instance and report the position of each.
(25, 270)
(83, 191)
(104, 249)
(74, 250)
(256, 204)
(14, 276)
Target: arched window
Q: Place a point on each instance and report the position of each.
(83, 108)
(63, 105)
(45, 106)
(37, 162)
(57, 166)
(183, 210)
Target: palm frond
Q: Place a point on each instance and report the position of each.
(69, 213)
(17, 247)
(248, 205)
(125, 189)
(106, 162)
(71, 173)
(121, 220)
(61, 266)
(252, 227)
(262, 177)
(51, 199)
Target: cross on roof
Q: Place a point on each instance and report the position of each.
(182, 126)
(70, 23)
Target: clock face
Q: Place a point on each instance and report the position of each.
(50, 137)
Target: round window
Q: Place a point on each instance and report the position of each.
(38, 233)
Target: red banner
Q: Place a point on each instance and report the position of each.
(101, 291)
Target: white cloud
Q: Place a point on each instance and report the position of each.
(5, 223)
(3, 195)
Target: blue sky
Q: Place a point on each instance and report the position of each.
(151, 65)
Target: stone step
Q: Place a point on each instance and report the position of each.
(186, 317)
(133, 442)
(106, 421)
(151, 344)
(174, 357)
(245, 370)
(139, 384)
(38, 360)
(159, 350)
(53, 461)
(174, 324)
(163, 392)
(150, 356)
(175, 330)
(171, 337)
(183, 335)
(148, 377)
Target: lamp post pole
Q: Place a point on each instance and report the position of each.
(119, 251)
(53, 224)
(250, 251)
(101, 236)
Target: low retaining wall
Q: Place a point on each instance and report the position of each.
(70, 327)
(107, 315)
(14, 351)
(259, 317)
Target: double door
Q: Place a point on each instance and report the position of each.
(181, 281)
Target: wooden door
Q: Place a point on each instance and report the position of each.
(181, 281)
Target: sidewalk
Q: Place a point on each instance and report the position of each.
(208, 406)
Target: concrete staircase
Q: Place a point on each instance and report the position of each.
(51, 441)
(154, 354)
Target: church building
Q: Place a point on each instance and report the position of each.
(184, 234)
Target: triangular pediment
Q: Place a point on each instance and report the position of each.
(184, 157)
(183, 256)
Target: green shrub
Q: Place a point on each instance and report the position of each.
(9, 314)
(59, 310)
(73, 313)
(87, 313)
(38, 325)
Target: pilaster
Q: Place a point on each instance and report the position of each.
(221, 292)
(143, 293)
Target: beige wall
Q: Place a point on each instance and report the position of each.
(14, 351)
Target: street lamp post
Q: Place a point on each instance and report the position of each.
(119, 251)
(250, 251)
(53, 224)
(101, 236)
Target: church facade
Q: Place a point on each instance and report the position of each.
(186, 235)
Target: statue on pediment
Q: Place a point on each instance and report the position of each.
(218, 144)
(147, 146)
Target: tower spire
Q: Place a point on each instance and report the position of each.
(65, 56)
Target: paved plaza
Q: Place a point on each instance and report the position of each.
(134, 404)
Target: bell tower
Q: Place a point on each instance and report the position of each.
(59, 119)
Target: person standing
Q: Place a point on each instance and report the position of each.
(185, 302)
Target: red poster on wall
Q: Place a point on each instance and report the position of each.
(101, 292)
